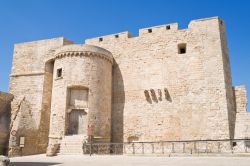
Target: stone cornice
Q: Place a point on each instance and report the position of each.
(27, 74)
(81, 54)
(83, 51)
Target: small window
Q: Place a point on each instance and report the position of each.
(100, 39)
(116, 36)
(59, 73)
(168, 27)
(182, 48)
(149, 30)
(234, 143)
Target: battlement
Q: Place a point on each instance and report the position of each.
(62, 40)
(115, 37)
(154, 30)
(159, 29)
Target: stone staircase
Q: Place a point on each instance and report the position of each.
(72, 145)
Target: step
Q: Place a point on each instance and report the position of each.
(75, 137)
(72, 145)
(69, 153)
(72, 152)
(73, 141)
(65, 143)
(70, 149)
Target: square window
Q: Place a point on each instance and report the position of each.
(116, 36)
(59, 73)
(100, 39)
(149, 30)
(234, 143)
(168, 27)
(182, 48)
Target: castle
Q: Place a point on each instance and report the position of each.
(165, 84)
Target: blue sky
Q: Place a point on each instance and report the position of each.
(27, 20)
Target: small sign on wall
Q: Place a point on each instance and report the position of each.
(12, 141)
(22, 140)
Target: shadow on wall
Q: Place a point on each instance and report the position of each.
(32, 164)
(232, 114)
(118, 101)
(43, 131)
(4, 129)
(247, 144)
(26, 128)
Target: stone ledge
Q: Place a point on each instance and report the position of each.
(83, 50)
(27, 74)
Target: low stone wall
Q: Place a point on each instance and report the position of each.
(242, 123)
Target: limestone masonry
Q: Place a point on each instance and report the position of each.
(166, 84)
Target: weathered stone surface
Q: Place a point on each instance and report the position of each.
(198, 83)
(31, 85)
(4, 161)
(242, 127)
(84, 68)
(165, 84)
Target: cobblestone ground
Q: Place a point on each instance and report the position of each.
(80, 160)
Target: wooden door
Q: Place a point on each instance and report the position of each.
(78, 122)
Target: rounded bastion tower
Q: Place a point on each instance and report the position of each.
(81, 94)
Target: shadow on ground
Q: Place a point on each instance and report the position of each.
(32, 164)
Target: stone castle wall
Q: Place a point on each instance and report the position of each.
(165, 84)
(228, 80)
(242, 127)
(31, 90)
(149, 67)
(83, 67)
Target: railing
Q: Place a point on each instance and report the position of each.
(228, 146)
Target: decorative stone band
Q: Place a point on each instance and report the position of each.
(83, 50)
(27, 74)
(76, 53)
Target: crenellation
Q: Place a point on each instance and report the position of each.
(118, 37)
(155, 30)
(161, 29)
